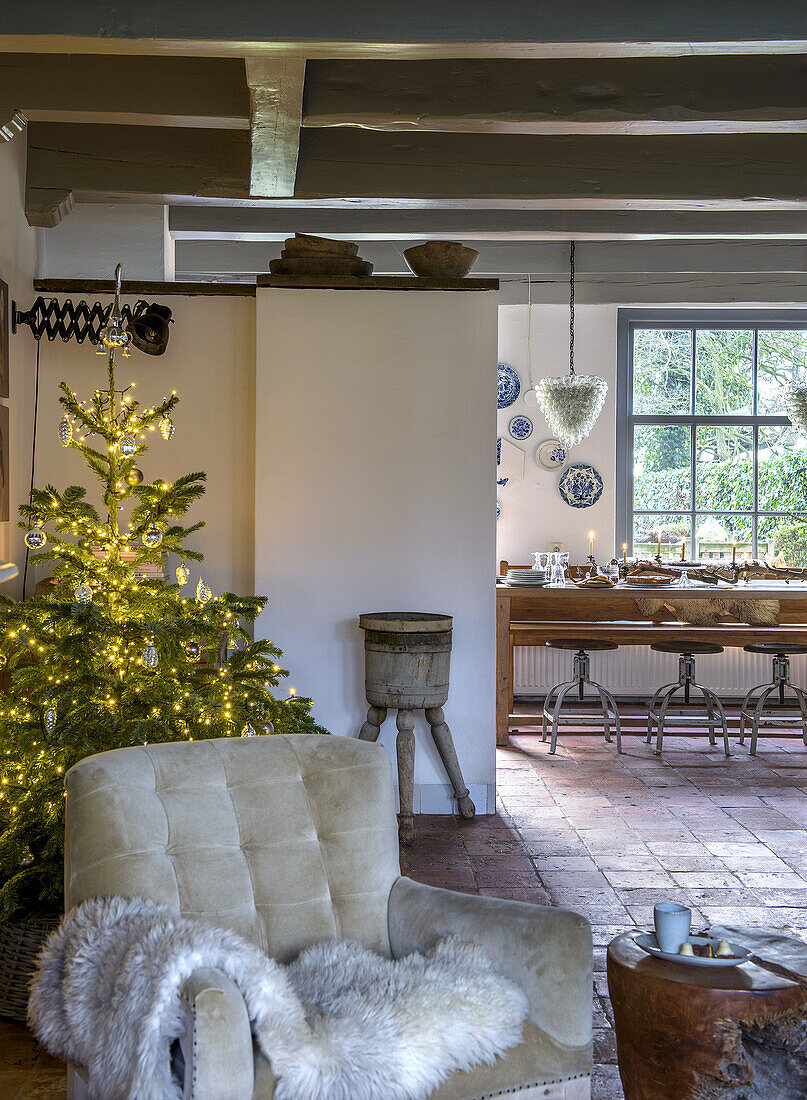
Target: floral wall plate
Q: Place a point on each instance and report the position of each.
(520, 427)
(508, 386)
(580, 486)
(551, 454)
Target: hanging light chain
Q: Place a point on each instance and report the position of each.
(571, 308)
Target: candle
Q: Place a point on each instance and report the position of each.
(591, 544)
(659, 544)
(624, 553)
(734, 552)
(683, 549)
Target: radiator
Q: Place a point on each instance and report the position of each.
(638, 671)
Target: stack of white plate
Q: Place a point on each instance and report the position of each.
(527, 578)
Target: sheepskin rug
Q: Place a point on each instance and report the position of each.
(339, 1023)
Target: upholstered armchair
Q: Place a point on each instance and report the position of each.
(290, 841)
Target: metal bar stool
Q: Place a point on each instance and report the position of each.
(763, 713)
(658, 711)
(607, 714)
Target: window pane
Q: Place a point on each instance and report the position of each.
(724, 468)
(723, 372)
(662, 369)
(782, 466)
(715, 536)
(781, 356)
(783, 537)
(662, 476)
(673, 529)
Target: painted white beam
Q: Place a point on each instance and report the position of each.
(276, 96)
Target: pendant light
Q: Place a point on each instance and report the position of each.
(571, 404)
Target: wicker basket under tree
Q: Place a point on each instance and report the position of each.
(20, 943)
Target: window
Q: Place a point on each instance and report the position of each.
(705, 452)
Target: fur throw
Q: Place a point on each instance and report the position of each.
(708, 612)
(339, 1023)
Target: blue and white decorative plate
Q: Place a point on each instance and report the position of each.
(580, 486)
(508, 386)
(502, 481)
(498, 509)
(551, 454)
(520, 427)
(499, 451)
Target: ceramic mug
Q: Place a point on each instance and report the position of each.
(673, 923)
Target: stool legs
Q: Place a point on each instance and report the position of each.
(405, 750)
(444, 743)
(553, 703)
(754, 712)
(372, 727)
(663, 698)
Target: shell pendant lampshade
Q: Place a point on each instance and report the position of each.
(795, 402)
(571, 404)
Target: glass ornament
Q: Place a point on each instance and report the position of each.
(193, 651)
(127, 444)
(134, 477)
(248, 731)
(268, 727)
(65, 431)
(203, 593)
(150, 658)
(36, 538)
(50, 718)
(183, 573)
(152, 537)
(83, 593)
(167, 428)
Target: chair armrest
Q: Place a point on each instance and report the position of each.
(546, 951)
(217, 1044)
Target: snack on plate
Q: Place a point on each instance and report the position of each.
(649, 579)
(724, 950)
(686, 949)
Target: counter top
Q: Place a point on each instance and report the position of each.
(751, 590)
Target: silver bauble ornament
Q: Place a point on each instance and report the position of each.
(83, 594)
(248, 731)
(203, 593)
(152, 537)
(65, 431)
(127, 444)
(183, 573)
(150, 657)
(193, 651)
(50, 718)
(134, 477)
(167, 428)
(36, 538)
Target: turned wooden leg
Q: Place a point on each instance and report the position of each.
(372, 727)
(448, 754)
(405, 749)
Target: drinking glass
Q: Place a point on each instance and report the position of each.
(673, 922)
(556, 575)
(540, 559)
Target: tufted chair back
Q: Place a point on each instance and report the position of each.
(285, 840)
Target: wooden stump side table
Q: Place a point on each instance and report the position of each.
(689, 1033)
(407, 657)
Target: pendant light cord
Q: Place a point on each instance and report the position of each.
(571, 308)
(529, 329)
(33, 459)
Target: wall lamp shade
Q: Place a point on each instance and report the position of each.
(149, 327)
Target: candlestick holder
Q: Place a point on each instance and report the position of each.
(593, 567)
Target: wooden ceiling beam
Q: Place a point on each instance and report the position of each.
(151, 91)
(138, 161)
(349, 161)
(627, 96)
(276, 96)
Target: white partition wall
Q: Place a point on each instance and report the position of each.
(375, 491)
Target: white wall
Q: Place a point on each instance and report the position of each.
(210, 362)
(94, 237)
(374, 491)
(533, 511)
(17, 265)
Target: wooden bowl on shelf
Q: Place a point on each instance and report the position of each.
(441, 259)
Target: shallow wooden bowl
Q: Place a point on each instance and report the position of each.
(441, 259)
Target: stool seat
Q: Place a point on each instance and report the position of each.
(687, 647)
(791, 648)
(590, 645)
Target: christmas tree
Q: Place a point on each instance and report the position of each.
(109, 656)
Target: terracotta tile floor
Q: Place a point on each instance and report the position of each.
(607, 836)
